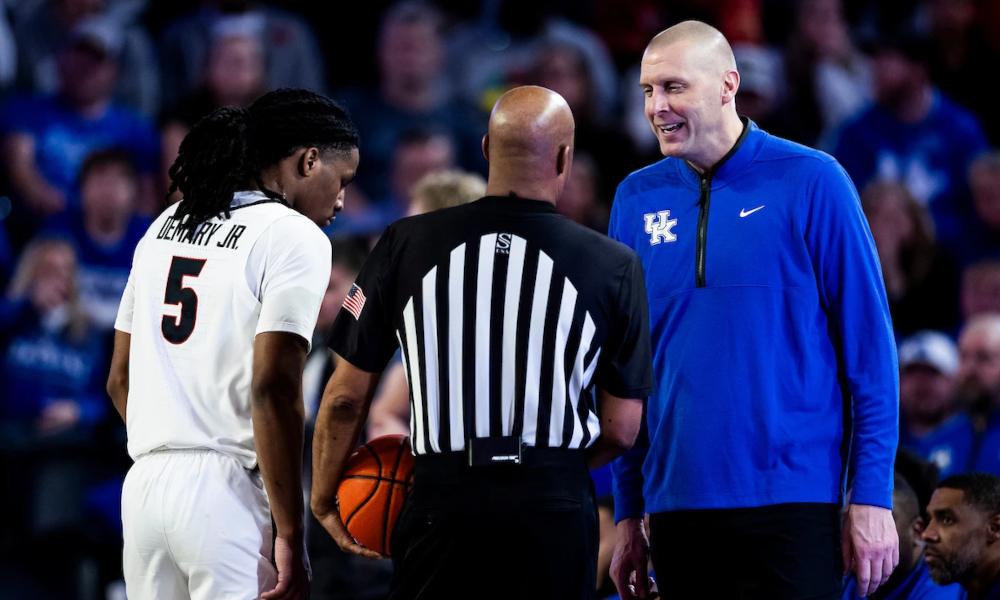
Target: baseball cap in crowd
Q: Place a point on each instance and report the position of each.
(100, 33)
(931, 348)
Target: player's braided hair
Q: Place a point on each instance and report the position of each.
(225, 151)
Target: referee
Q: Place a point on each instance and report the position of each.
(506, 314)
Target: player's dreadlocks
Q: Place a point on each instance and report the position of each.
(225, 151)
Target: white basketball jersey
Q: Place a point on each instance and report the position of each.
(194, 304)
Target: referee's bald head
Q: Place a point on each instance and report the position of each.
(529, 144)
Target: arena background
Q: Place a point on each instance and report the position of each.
(95, 96)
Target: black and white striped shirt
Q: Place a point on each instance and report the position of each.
(506, 314)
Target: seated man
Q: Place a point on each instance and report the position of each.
(911, 580)
(933, 427)
(963, 535)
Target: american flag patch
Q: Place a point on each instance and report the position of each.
(355, 301)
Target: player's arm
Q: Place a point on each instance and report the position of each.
(342, 413)
(288, 269)
(118, 376)
(278, 422)
(390, 410)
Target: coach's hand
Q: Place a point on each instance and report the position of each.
(870, 546)
(330, 519)
(293, 573)
(628, 564)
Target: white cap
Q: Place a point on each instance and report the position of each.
(931, 348)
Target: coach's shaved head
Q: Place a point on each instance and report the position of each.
(708, 42)
(530, 144)
(688, 73)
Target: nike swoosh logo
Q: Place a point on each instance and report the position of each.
(746, 212)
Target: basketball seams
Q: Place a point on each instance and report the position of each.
(380, 479)
(374, 488)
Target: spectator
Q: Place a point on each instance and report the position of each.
(919, 276)
(932, 425)
(829, 80)
(445, 189)
(292, 54)
(923, 477)
(411, 94)
(963, 535)
(498, 53)
(979, 386)
(234, 76)
(44, 31)
(912, 578)
(52, 359)
(760, 86)
(47, 138)
(105, 234)
(563, 68)
(961, 56)
(980, 291)
(914, 134)
(982, 239)
(417, 153)
(580, 201)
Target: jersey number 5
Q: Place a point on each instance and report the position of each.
(178, 329)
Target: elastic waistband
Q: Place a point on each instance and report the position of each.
(167, 452)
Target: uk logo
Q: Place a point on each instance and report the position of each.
(658, 226)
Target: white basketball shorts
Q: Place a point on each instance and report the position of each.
(197, 525)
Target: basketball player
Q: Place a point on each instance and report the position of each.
(211, 339)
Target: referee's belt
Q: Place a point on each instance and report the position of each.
(501, 453)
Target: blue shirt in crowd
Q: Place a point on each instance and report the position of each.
(988, 445)
(768, 315)
(950, 446)
(103, 270)
(931, 157)
(918, 586)
(41, 364)
(64, 138)
(993, 594)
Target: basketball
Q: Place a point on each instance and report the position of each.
(373, 490)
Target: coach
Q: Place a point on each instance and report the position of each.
(773, 352)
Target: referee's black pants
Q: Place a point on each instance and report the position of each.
(527, 531)
(778, 552)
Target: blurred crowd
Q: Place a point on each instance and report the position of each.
(96, 96)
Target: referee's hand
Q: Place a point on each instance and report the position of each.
(628, 564)
(870, 545)
(334, 525)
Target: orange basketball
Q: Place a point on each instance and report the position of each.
(373, 489)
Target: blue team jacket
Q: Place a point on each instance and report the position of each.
(771, 334)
